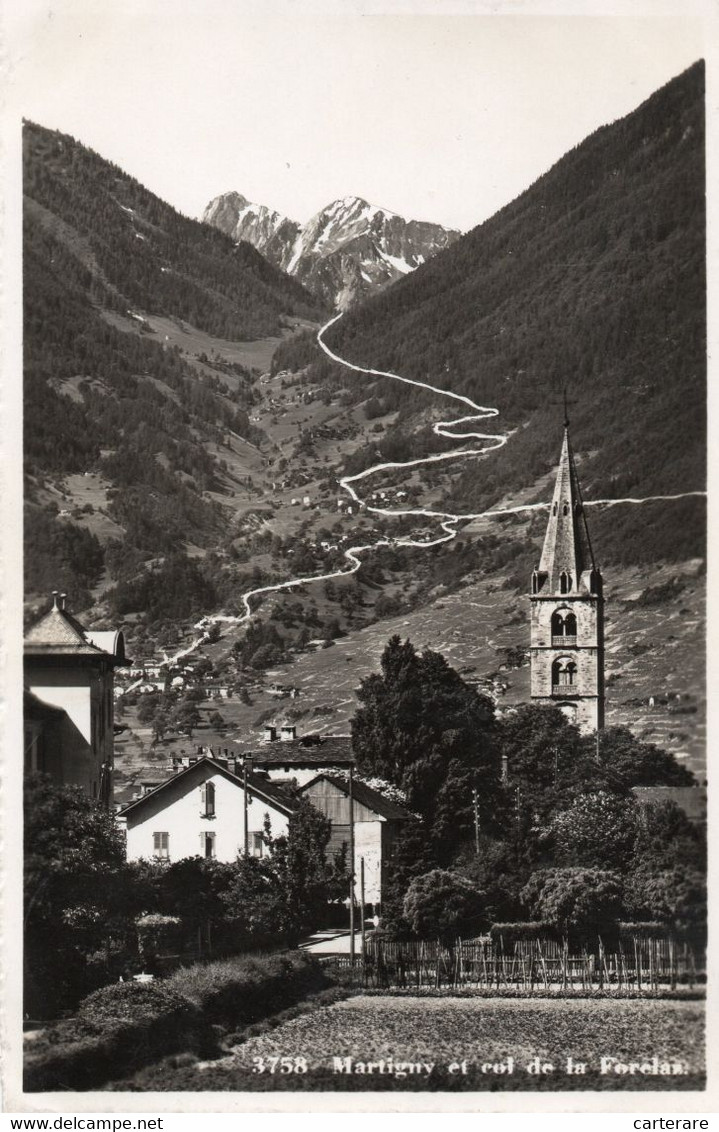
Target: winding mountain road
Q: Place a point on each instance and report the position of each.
(447, 520)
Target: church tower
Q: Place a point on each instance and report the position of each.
(567, 609)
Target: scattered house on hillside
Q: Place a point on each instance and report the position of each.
(287, 757)
(377, 821)
(691, 799)
(200, 811)
(216, 691)
(71, 669)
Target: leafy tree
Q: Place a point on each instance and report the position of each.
(444, 905)
(575, 900)
(677, 896)
(194, 888)
(597, 830)
(665, 835)
(78, 893)
(186, 717)
(422, 728)
(640, 764)
(412, 854)
(286, 894)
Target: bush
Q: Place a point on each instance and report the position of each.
(126, 1026)
(117, 1029)
(246, 989)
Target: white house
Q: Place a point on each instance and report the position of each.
(200, 811)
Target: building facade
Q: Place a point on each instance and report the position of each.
(70, 668)
(567, 608)
(200, 811)
(376, 821)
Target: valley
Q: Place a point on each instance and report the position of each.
(478, 621)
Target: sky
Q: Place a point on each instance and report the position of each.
(440, 110)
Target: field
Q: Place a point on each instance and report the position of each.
(462, 1043)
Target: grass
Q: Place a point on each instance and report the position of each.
(490, 1044)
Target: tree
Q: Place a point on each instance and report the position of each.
(420, 726)
(444, 905)
(575, 901)
(286, 893)
(640, 764)
(676, 896)
(186, 717)
(665, 835)
(307, 879)
(78, 893)
(597, 830)
(412, 855)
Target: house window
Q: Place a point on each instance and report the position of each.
(257, 844)
(161, 845)
(207, 845)
(207, 800)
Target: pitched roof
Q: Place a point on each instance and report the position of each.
(260, 788)
(58, 633)
(308, 750)
(364, 794)
(566, 544)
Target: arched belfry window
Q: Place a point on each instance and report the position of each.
(564, 675)
(535, 582)
(565, 582)
(595, 582)
(565, 509)
(563, 627)
(554, 509)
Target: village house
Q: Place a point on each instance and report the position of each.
(200, 810)
(287, 758)
(69, 706)
(377, 822)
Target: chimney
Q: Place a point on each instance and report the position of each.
(505, 769)
(270, 734)
(55, 595)
(62, 600)
(287, 733)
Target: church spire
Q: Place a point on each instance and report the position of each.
(567, 562)
(567, 608)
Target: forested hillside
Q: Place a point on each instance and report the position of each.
(593, 280)
(104, 392)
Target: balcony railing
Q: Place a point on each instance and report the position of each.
(565, 690)
(564, 642)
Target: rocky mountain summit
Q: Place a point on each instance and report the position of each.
(345, 252)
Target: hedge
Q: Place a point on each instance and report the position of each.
(126, 1026)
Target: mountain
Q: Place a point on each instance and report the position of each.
(347, 251)
(593, 280)
(116, 282)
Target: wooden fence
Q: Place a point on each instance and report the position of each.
(636, 963)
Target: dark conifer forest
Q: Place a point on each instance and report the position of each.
(592, 280)
(98, 247)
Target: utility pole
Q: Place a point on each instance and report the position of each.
(362, 904)
(475, 806)
(247, 759)
(352, 867)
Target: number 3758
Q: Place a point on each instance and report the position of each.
(283, 1065)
